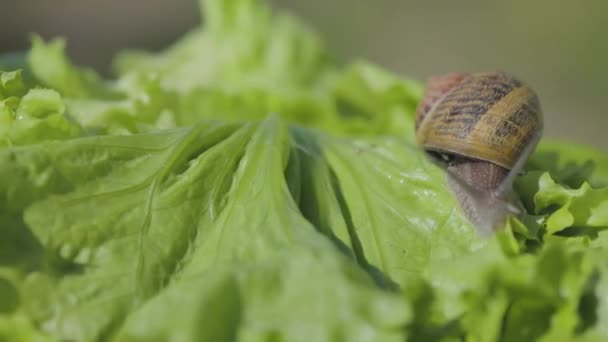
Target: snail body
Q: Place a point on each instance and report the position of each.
(483, 127)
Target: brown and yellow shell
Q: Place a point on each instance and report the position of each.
(488, 116)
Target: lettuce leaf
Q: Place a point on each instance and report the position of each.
(254, 211)
(246, 60)
(245, 184)
(30, 115)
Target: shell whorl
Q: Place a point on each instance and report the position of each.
(437, 86)
(486, 116)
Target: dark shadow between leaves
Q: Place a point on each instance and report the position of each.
(567, 172)
(574, 231)
(18, 245)
(381, 279)
(588, 304)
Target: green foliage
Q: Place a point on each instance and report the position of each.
(244, 185)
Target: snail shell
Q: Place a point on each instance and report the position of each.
(485, 126)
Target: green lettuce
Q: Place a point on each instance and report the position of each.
(244, 184)
(30, 114)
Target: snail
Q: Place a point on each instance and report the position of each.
(482, 127)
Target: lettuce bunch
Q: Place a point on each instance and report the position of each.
(246, 185)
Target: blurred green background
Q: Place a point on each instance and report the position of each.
(559, 47)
